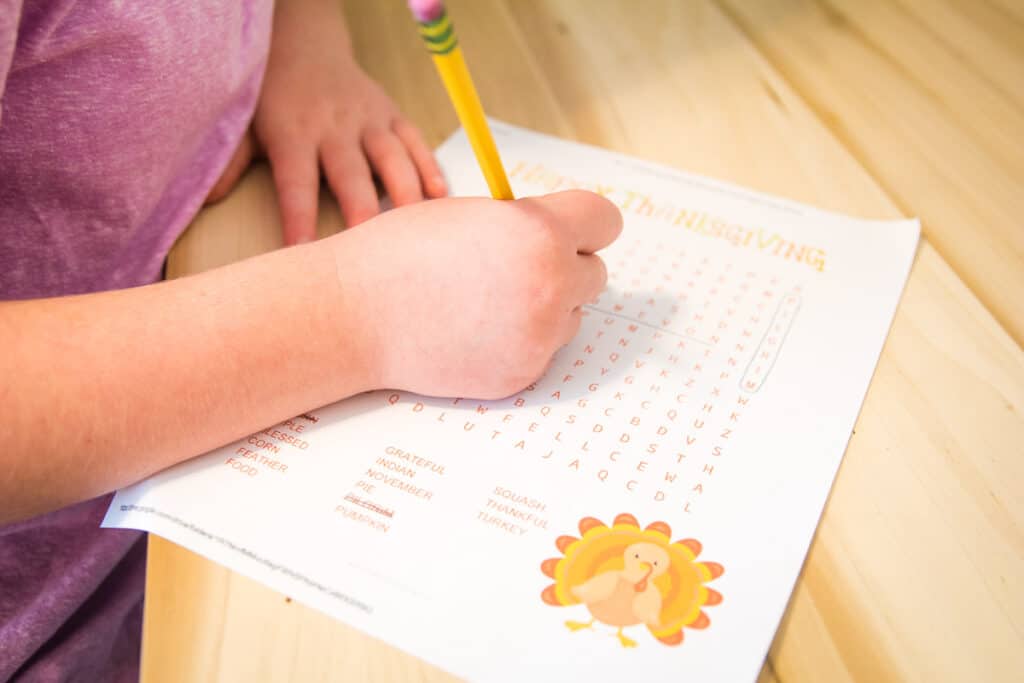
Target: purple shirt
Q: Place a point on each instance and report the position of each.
(115, 121)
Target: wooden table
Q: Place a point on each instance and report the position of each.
(874, 108)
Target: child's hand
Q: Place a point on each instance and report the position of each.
(472, 297)
(319, 109)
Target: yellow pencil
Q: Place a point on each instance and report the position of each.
(439, 36)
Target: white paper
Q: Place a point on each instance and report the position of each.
(713, 388)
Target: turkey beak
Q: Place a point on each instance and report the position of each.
(645, 567)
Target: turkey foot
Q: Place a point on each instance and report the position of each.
(579, 625)
(626, 641)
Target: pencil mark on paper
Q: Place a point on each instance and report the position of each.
(767, 351)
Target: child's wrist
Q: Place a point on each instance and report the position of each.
(354, 321)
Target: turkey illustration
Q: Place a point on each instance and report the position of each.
(627, 576)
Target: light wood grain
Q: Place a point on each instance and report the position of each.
(915, 573)
(1011, 10)
(924, 97)
(981, 34)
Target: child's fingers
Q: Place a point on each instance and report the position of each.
(391, 160)
(591, 278)
(349, 177)
(592, 221)
(422, 157)
(572, 325)
(297, 178)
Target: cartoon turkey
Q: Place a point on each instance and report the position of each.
(626, 576)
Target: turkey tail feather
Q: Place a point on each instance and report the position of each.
(693, 544)
(715, 569)
(674, 638)
(626, 518)
(588, 523)
(548, 567)
(563, 542)
(662, 528)
(550, 597)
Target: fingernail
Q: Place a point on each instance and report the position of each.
(302, 239)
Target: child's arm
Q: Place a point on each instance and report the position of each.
(465, 297)
(319, 109)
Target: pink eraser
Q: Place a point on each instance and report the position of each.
(426, 10)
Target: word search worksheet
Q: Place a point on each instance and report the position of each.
(649, 501)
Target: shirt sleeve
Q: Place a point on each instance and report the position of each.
(10, 16)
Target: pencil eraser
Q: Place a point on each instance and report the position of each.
(426, 10)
